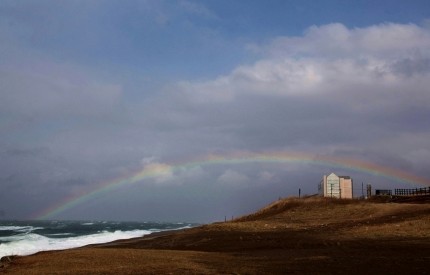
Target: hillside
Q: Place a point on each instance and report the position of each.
(348, 218)
(296, 236)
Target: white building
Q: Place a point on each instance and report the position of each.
(335, 186)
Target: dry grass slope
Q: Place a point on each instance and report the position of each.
(288, 204)
(345, 218)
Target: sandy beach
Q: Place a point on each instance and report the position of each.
(289, 236)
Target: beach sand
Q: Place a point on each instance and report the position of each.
(290, 236)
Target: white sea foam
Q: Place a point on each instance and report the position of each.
(185, 227)
(19, 228)
(12, 238)
(60, 234)
(28, 244)
(12, 228)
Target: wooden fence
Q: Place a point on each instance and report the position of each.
(412, 192)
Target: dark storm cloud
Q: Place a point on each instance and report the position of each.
(334, 91)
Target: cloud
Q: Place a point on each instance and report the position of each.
(327, 60)
(161, 172)
(55, 90)
(266, 176)
(233, 178)
(334, 91)
(333, 87)
(197, 9)
(335, 41)
(330, 61)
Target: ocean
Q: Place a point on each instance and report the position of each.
(28, 237)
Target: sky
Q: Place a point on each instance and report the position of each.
(93, 91)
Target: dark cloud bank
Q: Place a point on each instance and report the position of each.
(357, 93)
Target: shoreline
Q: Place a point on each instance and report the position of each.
(288, 236)
(149, 236)
(8, 260)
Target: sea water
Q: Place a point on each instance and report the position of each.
(28, 237)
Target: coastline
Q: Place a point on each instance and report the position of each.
(10, 260)
(296, 237)
(150, 236)
(24, 238)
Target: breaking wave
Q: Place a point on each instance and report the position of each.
(27, 244)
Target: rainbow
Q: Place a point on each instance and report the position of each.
(156, 170)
